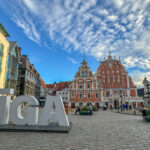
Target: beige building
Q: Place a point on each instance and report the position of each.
(4, 49)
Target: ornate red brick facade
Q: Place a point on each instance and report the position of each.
(116, 83)
(85, 87)
(111, 85)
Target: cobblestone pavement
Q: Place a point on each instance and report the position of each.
(101, 131)
(129, 112)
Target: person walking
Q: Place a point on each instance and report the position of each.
(144, 112)
(130, 106)
(123, 105)
(77, 110)
(90, 109)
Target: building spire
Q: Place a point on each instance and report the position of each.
(83, 54)
(109, 51)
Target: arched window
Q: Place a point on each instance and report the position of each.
(107, 94)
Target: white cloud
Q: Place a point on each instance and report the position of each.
(102, 12)
(138, 62)
(31, 4)
(28, 28)
(81, 25)
(130, 61)
(72, 60)
(118, 3)
(112, 17)
(139, 76)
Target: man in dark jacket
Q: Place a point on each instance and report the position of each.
(144, 112)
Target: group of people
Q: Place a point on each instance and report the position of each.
(123, 107)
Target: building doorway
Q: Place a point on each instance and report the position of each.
(88, 103)
(73, 105)
(80, 104)
(97, 105)
(134, 104)
(116, 103)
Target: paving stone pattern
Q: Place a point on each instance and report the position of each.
(101, 131)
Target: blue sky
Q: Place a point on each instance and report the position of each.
(54, 34)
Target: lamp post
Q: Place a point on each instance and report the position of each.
(148, 95)
(121, 99)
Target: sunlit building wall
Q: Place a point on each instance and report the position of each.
(4, 50)
(12, 66)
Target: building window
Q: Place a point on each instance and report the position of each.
(80, 86)
(96, 95)
(107, 94)
(80, 104)
(113, 78)
(118, 78)
(1, 55)
(103, 78)
(72, 95)
(88, 85)
(89, 95)
(1, 50)
(108, 78)
(80, 95)
(84, 73)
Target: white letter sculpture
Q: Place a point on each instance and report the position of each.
(32, 112)
(4, 109)
(59, 115)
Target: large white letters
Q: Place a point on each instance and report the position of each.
(31, 112)
(59, 115)
(12, 111)
(4, 109)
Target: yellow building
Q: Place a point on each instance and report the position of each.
(4, 49)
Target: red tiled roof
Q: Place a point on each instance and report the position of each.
(61, 85)
(58, 87)
(50, 85)
(43, 84)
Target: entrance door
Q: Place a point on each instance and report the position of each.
(73, 105)
(116, 103)
(80, 104)
(97, 105)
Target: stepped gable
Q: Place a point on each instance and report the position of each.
(84, 70)
(112, 74)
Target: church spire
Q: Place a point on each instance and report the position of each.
(83, 54)
(109, 51)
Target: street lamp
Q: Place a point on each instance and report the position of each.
(121, 99)
(148, 94)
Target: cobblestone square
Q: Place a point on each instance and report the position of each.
(104, 130)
